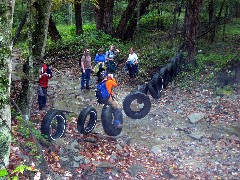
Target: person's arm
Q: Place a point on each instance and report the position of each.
(96, 58)
(49, 73)
(82, 65)
(136, 59)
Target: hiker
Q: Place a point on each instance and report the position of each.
(132, 64)
(110, 55)
(100, 60)
(44, 75)
(86, 68)
(110, 83)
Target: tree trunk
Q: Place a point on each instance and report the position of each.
(78, 17)
(191, 26)
(43, 10)
(69, 14)
(6, 13)
(130, 29)
(122, 26)
(104, 16)
(211, 20)
(19, 29)
(99, 14)
(108, 17)
(52, 29)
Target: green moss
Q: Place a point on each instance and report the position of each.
(4, 141)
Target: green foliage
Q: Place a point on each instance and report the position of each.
(3, 172)
(226, 90)
(23, 129)
(217, 59)
(150, 20)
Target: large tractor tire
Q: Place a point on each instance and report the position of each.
(133, 108)
(53, 125)
(87, 120)
(107, 121)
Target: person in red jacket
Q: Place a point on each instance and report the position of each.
(44, 75)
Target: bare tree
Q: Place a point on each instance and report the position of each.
(6, 13)
(191, 25)
(104, 16)
(78, 17)
(41, 19)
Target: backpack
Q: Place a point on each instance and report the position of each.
(108, 53)
(102, 94)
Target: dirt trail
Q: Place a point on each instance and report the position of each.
(194, 128)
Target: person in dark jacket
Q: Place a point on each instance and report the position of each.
(44, 75)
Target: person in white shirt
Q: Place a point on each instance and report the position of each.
(132, 64)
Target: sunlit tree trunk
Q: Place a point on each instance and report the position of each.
(42, 15)
(6, 14)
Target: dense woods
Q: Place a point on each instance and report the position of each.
(60, 30)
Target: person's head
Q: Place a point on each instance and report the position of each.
(86, 51)
(103, 75)
(111, 47)
(131, 50)
(100, 51)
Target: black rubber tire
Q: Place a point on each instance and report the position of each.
(164, 74)
(140, 97)
(170, 69)
(143, 88)
(60, 126)
(154, 90)
(179, 59)
(175, 66)
(158, 80)
(107, 121)
(86, 124)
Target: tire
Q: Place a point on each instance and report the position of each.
(87, 120)
(164, 74)
(170, 69)
(139, 97)
(143, 88)
(179, 59)
(53, 125)
(154, 90)
(107, 121)
(175, 66)
(158, 80)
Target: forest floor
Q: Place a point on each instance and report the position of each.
(189, 133)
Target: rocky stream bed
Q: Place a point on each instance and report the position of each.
(189, 133)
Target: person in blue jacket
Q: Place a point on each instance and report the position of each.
(100, 60)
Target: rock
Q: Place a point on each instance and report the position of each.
(119, 147)
(78, 158)
(135, 169)
(195, 117)
(196, 135)
(76, 164)
(156, 149)
(106, 165)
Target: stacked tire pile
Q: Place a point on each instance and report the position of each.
(159, 81)
(136, 105)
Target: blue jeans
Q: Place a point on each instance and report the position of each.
(85, 78)
(42, 98)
